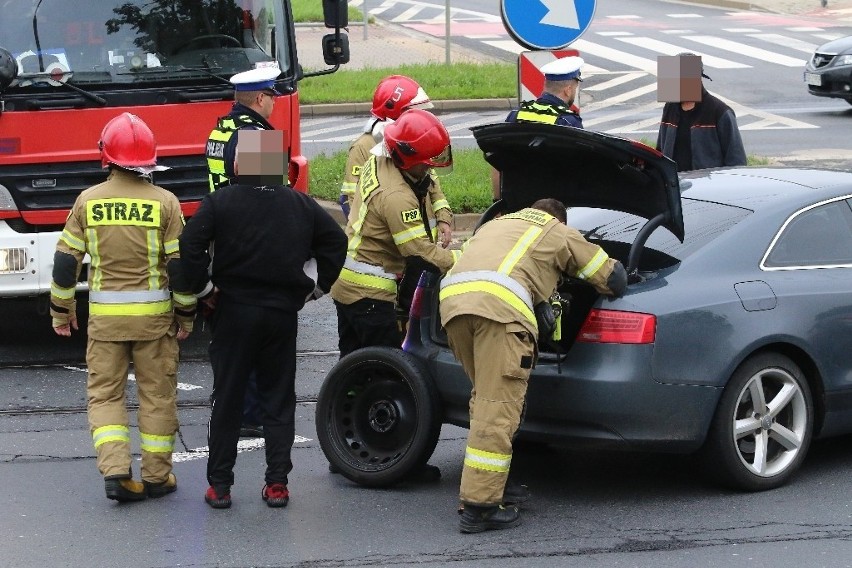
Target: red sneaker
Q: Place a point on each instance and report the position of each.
(276, 494)
(218, 500)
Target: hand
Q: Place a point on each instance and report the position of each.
(208, 302)
(65, 330)
(182, 334)
(315, 295)
(446, 233)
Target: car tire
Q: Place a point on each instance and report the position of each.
(759, 446)
(378, 416)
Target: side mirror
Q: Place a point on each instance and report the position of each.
(335, 49)
(336, 13)
(9, 67)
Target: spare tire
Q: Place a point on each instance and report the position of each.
(378, 416)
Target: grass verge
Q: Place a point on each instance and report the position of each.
(468, 187)
(310, 11)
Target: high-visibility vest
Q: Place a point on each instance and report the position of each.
(216, 143)
(534, 111)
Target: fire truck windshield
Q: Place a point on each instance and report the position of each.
(116, 42)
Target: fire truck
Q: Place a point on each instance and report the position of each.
(68, 67)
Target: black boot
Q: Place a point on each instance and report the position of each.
(476, 518)
(515, 493)
(123, 489)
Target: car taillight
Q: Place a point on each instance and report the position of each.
(609, 326)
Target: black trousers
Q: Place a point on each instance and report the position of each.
(262, 339)
(366, 323)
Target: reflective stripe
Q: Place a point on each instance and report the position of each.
(72, 241)
(171, 247)
(519, 250)
(95, 264)
(403, 237)
(348, 188)
(185, 299)
(127, 296)
(151, 309)
(368, 280)
(441, 204)
(499, 278)
(526, 116)
(157, 444)
(111, 433)
(62, 293)
(488, 461)
(490, 283)
(153, 259)
(456, 255)
(364, 268)
(593, 265)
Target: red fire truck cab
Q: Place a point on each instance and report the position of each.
(67, 68)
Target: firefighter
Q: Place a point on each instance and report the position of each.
(393, 95)
(264, 233)
(488, 299)
(254, 97)
(129, 228)
(394, 223)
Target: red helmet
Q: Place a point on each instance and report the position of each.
(126, 141)
(395, 94)
(418, 137)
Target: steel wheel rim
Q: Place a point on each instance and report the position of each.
(374, 417)
(770, 422)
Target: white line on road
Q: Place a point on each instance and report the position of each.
(132, 377)
(747, 50)
(242, 446)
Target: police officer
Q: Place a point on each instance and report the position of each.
(487, 300)
(393, 95)
(393, 223)
(254, 97)
(263, 233)
(129, 227)
(555, 105)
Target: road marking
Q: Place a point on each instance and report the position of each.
(242, 446)
(132, 377)
(747, 50)
(671, 49)
(683, 16)
(624, 77)
(408, 14)
(785, 41)
(616, 55)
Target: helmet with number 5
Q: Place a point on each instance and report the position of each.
(418, 137)
(127, 142)
(396, 94)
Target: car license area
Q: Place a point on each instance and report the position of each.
(813, 79)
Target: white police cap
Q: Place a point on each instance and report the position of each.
(259, 79)
(563, 69)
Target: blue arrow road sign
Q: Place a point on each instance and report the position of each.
(546, 24)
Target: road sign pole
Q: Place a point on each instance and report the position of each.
(447, 32)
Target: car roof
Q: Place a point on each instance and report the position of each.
(582, 168)
(759, 189)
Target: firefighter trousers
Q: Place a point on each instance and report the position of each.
(497, 358)
(250, 338)
(155, 366)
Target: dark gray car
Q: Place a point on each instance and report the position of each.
(733, 338)
(828, 72)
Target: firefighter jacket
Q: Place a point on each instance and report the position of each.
(547, 109)
(514, 262)
(262, 236)
(359, 153)
(389, 225)
(129, 228)
(222, 144)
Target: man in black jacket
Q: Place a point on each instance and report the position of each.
(267, 238)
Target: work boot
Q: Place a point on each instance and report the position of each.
(426, 473)
(218, 498)
(251, 431)
(476, 518)
(515, 493)
(163, 488)
(276, 494)
(123, 489)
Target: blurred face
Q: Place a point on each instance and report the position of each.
(260, 157)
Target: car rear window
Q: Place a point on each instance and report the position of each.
(703, 221)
